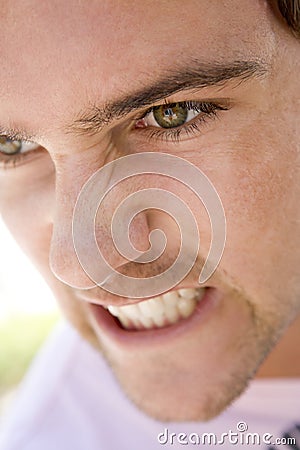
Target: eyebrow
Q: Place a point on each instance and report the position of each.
(194, 75)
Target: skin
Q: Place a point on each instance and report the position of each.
(57, 57)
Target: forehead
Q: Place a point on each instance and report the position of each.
(57, 55)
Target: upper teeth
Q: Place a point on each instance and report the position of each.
(159, 311)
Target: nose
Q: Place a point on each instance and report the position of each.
(71, 175)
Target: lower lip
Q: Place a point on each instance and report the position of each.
(109, 327)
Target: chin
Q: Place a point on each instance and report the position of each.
(186, 397)
(206, 404)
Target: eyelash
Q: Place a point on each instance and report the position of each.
(11, 161)
(209, 109)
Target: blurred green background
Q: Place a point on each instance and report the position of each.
(20, 338)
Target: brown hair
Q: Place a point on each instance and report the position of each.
(290, 11)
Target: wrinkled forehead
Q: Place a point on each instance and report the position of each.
(55, 54)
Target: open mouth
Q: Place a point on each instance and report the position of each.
(154, 320)
(159, 312)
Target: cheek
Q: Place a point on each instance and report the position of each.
(259, 187)
(26, 205)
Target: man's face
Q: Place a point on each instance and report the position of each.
(81, 79)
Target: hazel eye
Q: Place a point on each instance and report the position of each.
(171, 115)
(175, 122)
(8, 146)
(12, 147)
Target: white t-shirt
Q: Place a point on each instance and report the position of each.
(69, 400)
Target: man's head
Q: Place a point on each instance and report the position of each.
(88, 82)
